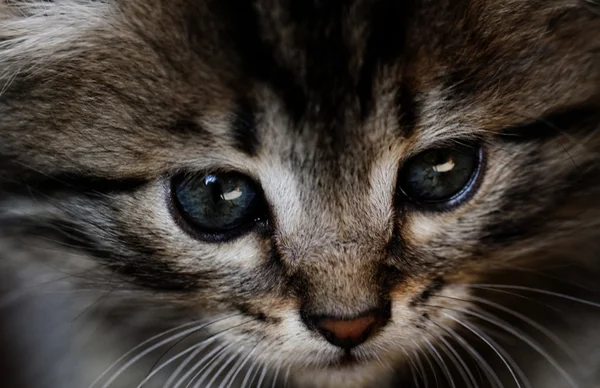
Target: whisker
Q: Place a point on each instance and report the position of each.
(222, 368)
(551, 277)
(196, 348)
(460, 365)
(413, 367)
(276, 375)
(238, 367)
(489, 371)
(561, 344)
(440, 361)
(165, 353)
(247, 375)
(216, 352)
(152, 348)
(193, 349)
(109, 289)
(378, 359)
(205, 371)
(521, 297)
(536, 290)
(428, 360)
(196, 327)
(500, 352)
(528, 340)
(287, 377)
(453, 357)
(191, 370)
(421, 368)
(250, 372)
(184, 363)
(262, 375)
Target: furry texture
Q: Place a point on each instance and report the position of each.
(102, 102)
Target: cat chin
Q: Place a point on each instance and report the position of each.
(360, 375)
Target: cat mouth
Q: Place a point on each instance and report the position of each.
(347, 361)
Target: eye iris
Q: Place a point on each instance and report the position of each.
(217, 202)
(439, 175)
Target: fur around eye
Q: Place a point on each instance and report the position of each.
(217, 206)
(441, 176)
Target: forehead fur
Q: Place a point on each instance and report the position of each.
(321, 55)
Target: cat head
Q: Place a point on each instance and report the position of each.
(333, 173)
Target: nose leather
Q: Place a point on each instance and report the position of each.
(349, 333)
(351, 329)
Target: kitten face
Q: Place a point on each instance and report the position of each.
(321, 105)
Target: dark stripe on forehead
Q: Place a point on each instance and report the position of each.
(407, 108)
(243, 128)
(386, 43)
(257, 55)
(309, 53)
(319, 28)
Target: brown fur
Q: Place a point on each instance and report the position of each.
(102, 102)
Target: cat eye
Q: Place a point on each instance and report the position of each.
(218, 206)
(441, 176)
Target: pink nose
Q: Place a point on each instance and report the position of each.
(349, 333)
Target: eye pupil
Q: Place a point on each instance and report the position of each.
(215, 189)
(439, 175)
(218, 203)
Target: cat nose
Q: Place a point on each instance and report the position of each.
(349, 333)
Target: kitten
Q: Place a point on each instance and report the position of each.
(299, 193)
